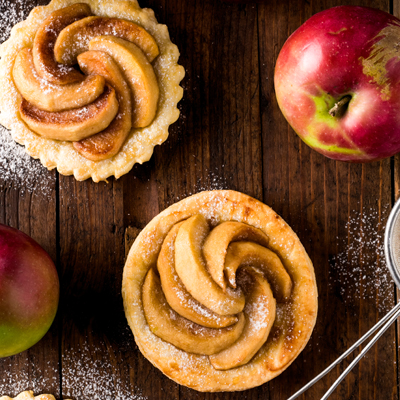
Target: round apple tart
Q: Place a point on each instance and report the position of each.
(90, 88)
(219, 292)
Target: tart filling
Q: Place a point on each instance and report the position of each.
(66, 36)
(91, 87)
(219, 292)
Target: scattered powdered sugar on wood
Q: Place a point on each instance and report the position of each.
(361, 266)
(20, 171)
(16, 380)
(214, 179)
(17, 169)
(85, 378)
(11, 13)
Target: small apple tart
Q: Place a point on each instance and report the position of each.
(219, 292)
(90, 88)
(28, 395)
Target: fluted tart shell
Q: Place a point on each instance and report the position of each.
(57, 149)
(225, 256)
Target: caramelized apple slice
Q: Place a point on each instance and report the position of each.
(72, 124)
(107, 143)
(191, 269)
(289, 324)
(45, 39)
(138, 73)
(182, 333)
(252, 254)
(52, 97)
(75, 38)
(177, 296)
(218, 241)
(260, 316)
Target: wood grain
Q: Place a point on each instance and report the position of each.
(34, 213)
(318, 197)
(231, 134)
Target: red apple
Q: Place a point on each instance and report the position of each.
(337, 82)
(29, 291)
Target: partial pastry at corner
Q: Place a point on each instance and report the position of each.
(219, 292)
(28, 395)
(90, 88)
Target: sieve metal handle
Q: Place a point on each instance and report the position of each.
(387, 321)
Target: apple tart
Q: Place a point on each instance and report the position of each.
(219, 292)
(90, 88)
(28, 395)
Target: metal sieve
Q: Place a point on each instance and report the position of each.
(392, 255)
(392, 243)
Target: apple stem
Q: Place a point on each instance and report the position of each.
(340, 107)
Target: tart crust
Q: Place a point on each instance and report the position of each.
(140, 143)
(299, 312)
(28, 395)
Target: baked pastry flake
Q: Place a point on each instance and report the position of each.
(219, 292)
(28, 395)
(90, 87)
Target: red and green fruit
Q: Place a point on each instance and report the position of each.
(337, 82)
(29, 291)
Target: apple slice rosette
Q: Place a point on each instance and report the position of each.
(219, 292)
(85, 114)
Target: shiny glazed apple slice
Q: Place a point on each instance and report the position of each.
(75, 38)
(45, 39)
(139, 74)
(260, 316)
(218, 241)
(252, 254)
(52, 97)
(191, 268)
(73, 124)
(177, 296)
(107, 143)
(182, 333)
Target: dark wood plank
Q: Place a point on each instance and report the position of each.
(331, 206)
(33, 212)
(95, 338)
(216, 143)
(395, 197)
(231, 134)
(28, 199)
(141, 204)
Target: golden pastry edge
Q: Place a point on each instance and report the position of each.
(193, 370)
(61, 155)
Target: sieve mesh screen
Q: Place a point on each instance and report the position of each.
(395, 243)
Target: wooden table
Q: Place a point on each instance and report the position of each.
(230, 135)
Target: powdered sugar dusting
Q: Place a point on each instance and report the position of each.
(17, 169)
(21, 380)
(363, 251)
(214, 179)
(83, 378)
(89, 380)
(11, 13)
